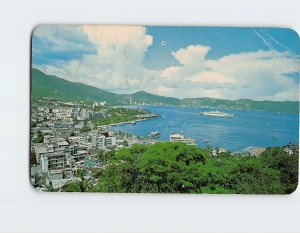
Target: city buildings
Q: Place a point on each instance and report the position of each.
(59, 145)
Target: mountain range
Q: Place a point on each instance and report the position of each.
(43, 85)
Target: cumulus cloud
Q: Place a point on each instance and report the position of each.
(208, 76)
(165, 91)
(191, 60)
(117, 62)
(117, 65)
(191, 55)
(254, 75)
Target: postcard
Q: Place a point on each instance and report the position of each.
(164, 109)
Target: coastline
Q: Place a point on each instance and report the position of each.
(133, 122)
(234, 138)
(212, 108)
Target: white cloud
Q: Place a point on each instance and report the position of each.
(192, 61)
(210, 77)
(61, 39)
(118, 66)
(165, 91)
(191, 55)
(254, 75)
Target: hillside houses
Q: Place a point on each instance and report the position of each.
(58, 143)
(64, 140)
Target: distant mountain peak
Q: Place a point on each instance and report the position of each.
(143, 93)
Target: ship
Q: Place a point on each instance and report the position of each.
(216, 114)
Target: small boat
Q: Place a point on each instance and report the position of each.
(176, 137)
(216, 114)
(154, 134)
(206, 140)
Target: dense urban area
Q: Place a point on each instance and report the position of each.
(75, 149)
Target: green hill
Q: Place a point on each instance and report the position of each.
(43, 85)
(141, 97)
(244, 104)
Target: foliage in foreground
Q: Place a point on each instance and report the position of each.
(178, 168)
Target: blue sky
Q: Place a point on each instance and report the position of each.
(223, 40)
(257, 63)
(51, 45)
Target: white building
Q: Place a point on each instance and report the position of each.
(48, 138)
(57, 165)
(99, 141)
(62, 144)
(176, 137)
(102, 103)
(80, 155)
(110, 141)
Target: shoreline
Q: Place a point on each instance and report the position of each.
(133, 122)
(204, 107)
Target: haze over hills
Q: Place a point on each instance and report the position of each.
(43, 85)
(144, 97)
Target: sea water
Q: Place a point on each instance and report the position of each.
(245, 129)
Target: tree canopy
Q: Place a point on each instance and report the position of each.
(178, 168)
(39, 138)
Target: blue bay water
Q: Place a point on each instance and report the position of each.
(246, 128)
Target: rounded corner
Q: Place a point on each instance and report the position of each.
(295, 32)
(292, 30)
(294, 190)
(33, 30)
(32, 186)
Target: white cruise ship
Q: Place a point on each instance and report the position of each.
(216, 114)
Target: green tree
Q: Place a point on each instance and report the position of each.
(178, 168)
(105, 156)
(163, 167)
(251, 176)
(75, 186)
(32, 158)
(125, 143)
(80, 173)
(39, 138)
(85, 128)
(287, 165)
